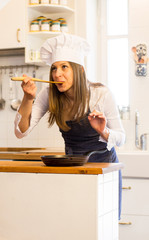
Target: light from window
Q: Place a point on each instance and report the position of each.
(117, 17)
(117, 50)
(118, 70)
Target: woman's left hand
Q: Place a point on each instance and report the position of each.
(97, 121)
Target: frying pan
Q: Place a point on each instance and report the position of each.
(68, 160)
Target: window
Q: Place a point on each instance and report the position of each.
(114, 14)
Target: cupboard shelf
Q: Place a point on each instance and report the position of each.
(40, 33)
(37, 63)
(34, 40)
(49, 8)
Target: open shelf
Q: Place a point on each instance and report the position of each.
(50, 8)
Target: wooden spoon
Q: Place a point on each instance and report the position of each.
(33, 79)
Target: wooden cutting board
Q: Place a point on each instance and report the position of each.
(25, 154)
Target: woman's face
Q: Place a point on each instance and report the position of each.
(62, 71)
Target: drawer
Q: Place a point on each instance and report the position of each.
(134, 227)
(135, 197)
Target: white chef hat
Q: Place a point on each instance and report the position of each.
(64, 47)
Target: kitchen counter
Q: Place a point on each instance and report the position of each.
(25, 153)
(40, 202)
(40, 167)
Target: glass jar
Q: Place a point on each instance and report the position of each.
(63, 2)
(61, 19)
(45, 25)
(50, 23)
(34, 55)
(64, 27)
(55, 26)
(33, 2)
(54, 1)
(44, 1)
(40, 19)
(124, 112)
(34, 26)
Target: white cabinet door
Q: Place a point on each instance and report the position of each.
(12, 24)
(135, 209)
(58, 206)
(135, 197)
(137, 230)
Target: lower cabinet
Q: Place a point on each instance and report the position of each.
(135, 227)
(134, 223)
(40, 206)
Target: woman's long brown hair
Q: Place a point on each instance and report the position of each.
(57, 100)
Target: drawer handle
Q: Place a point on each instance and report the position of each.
(128, 188)
(18, 30)
(125, 223)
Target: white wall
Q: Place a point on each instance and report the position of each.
(41, 136)
(139, 86)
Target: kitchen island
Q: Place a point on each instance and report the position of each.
(58, 203)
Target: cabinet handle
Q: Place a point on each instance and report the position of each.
(125, 223)
(18, 30)
(126, 188)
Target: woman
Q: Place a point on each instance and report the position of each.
(85, 112)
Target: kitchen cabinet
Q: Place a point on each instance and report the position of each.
(135, 210)
(34, 40)
(40, 202)
(135, 198)
(15, 21)
(138, 229)
(12, 24)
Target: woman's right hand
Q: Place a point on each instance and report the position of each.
(29, 87)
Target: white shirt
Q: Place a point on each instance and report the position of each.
(101, 100)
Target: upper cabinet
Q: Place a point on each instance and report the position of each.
(12, 24)
(28, 23)
(45, 20)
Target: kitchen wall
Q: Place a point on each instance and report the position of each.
(42, 136)
(139, 86)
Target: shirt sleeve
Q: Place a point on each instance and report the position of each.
(40, 107)
(108, 106)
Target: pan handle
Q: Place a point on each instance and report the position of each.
(99, 152)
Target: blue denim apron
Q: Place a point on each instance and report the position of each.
(82, 138)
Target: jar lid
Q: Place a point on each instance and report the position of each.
(49, 20)
(34, 22)
(61, 19)
(41, 18)
(63, 24)
(55, 22)
(45, 21)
